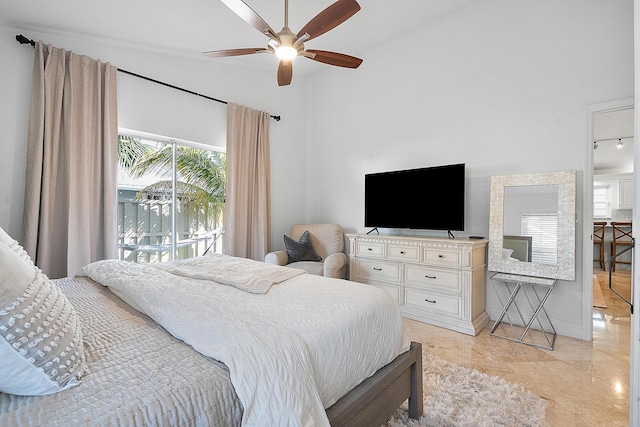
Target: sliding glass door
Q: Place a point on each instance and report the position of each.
(170, 199)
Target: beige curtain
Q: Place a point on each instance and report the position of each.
(248, 202)
(70, 199)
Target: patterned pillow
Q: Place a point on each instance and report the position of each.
(13, 244)
(4, 237)
(40, 334)
(302, 249)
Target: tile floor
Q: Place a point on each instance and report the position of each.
(585, 383)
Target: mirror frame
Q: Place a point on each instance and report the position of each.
(565, 268)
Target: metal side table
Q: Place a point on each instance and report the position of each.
(536, 291)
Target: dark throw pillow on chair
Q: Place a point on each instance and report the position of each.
(302, 249)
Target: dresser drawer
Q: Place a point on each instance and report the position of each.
(403, 253)
(371, 269)
(440, 277)
(450, 258)
(393, 290)
(432, 301)
(371, 249)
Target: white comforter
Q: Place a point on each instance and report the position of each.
(291, 352)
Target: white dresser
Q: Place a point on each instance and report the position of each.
(435, 280)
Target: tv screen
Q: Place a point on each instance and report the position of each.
(427, 198)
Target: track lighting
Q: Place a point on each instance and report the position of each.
(619, 144)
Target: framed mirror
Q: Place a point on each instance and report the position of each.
(532, 224)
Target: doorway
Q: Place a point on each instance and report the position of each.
(610, 156)
(610, 133)
(613, 170)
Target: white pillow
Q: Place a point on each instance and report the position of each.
(506, 253)
(40, 334)
(13, 244)
(4, 237)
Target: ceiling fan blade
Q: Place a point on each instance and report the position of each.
(330, 18)
(233, 52)
(241, 9)
(285, 72)
(334, 58)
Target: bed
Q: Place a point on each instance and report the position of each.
(183, 344)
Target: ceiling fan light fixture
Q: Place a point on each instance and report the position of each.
(286, 53)
(286, 45)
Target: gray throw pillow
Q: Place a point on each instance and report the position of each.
(302, 249)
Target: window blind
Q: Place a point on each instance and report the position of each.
(601, 205)
(543, 228)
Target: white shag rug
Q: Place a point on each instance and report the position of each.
(455, 396)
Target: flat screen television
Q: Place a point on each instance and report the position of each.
(431, 198)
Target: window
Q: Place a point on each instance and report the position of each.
(170, 199)
(601, 204)
(543, 228)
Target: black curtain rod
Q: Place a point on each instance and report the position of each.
(23, 40)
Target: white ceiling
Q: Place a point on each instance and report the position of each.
(608, 127)
(193, 26)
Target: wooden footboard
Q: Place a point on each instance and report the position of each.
(377, 398)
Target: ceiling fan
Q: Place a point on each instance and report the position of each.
(286, 45)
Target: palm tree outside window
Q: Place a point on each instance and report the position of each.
(170, 199)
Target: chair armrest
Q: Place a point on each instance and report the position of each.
(335, 265)
(277, 258)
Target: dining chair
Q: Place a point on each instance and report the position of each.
(621, 231)
(598, 240)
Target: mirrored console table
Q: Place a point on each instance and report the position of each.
(530, 325)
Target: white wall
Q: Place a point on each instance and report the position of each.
(501, 86)
(148, 107)
(634, 383)
(15, 80)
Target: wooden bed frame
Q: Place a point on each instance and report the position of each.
(377, 398)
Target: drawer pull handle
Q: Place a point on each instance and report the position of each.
(369, 249)
(430, 301)
(440, 256)
(377, 269)
(430, 277)
(402, 252)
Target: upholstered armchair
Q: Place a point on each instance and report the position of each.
(319, 252)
